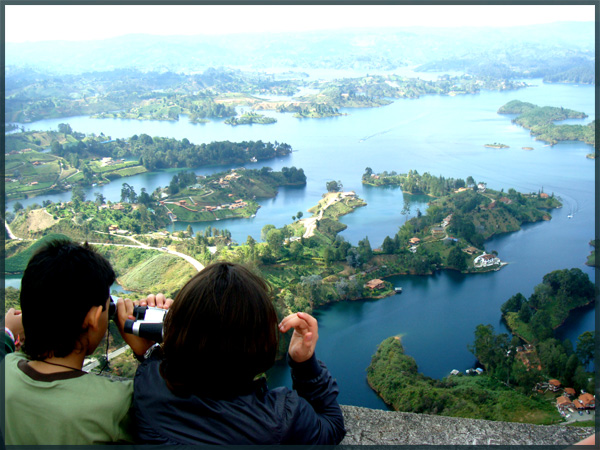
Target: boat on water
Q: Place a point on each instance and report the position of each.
(570, 216)
(398, 290)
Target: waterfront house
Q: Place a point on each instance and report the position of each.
(554, 385)
(375, 284)
(544, 195)
(481, 187)
(486, 260)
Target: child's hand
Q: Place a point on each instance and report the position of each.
(158, 301)
(125, 311)
(306, 333)
(14, 322)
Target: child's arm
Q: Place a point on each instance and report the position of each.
(317, 415)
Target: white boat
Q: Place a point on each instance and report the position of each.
(570, 216)
(398, 290)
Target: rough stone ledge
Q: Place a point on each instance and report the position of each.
(377, 427)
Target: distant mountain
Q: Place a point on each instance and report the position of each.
(510, 51)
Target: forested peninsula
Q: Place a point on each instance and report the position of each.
(76, 159)
(513, 370)
(540, 120)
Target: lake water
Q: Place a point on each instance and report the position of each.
(435, 315)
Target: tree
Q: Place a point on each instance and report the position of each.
(364, 250)
(265, 230)
(144, 198)
(406, 209)
(483, 345)
(457, 259)
(65, 128)
(18, 206)
(299, 215)
(540, 325)
(525, 313)
(77, 194)
(388, 245)
(585, 347)
(275, 240)
(189, 230)
(334, 186)
(100, 199)
(352, 258)
(470, 181)
(513, 304)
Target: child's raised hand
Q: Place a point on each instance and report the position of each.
(306, 333)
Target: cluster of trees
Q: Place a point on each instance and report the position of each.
(208, 108)
(497, 353)
(414, 183)
(395, 377)
(181, 181)
(158, 153)
(540, 120)
(549, 305)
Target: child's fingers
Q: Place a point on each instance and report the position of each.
(295, 322)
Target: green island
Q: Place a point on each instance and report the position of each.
(591, 261)
(76, 159)
(213, 94)
(224, 195)
(496, 145)
(250, 118)
(540, 121)
(513, 381)
(461, 216)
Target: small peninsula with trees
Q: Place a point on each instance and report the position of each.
(85, 160)
(540, 121)
(512, 383)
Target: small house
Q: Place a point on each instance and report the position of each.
(563, 403)
(414, 240)
(570, 392)
(437, 231)
(544, 195)
(375, 284)
(587, 400)
(113, 228)
(554, 385)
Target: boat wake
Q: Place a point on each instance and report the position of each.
(379, 133)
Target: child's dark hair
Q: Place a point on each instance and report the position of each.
(62, 281)
(220, 333)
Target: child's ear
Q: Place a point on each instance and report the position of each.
(92, 318)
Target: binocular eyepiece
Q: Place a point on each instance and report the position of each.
(148, 322)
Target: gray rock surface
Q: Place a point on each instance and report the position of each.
(376, 427)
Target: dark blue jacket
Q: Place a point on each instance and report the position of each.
(309, 414)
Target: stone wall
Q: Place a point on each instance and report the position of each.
(376, 427)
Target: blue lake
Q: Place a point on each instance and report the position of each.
(436, 315)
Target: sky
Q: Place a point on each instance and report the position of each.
(32, 23)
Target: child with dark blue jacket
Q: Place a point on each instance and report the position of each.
(219, 335)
